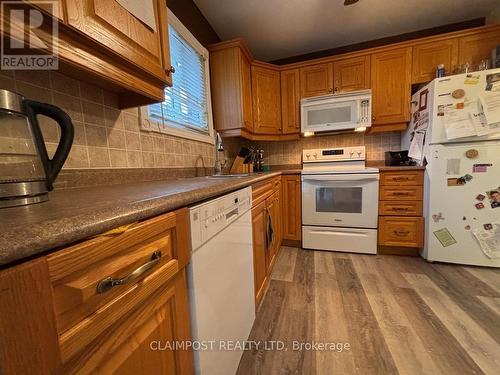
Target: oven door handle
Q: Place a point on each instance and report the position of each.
(341, 177)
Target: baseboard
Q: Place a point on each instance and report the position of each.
(394, 250)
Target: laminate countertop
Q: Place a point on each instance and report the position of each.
(75, 214)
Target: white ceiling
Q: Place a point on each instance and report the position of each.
(281, 28)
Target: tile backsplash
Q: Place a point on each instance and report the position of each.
(290, 152)
(105, 136)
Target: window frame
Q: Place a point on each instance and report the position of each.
(173, 128)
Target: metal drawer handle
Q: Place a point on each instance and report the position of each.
(401, 233)
(109, 282)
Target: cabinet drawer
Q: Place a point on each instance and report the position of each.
(263, 189)
(76, 272)
(412, 193)
(403, 208)
(402, 178)
(401, 231)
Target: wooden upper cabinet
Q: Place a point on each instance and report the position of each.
(290, 101)
(474, 48)
(316, 80)
(114, 27)
(266, 95)
(351, 74)
(391, 86)
(427, 57)
(231, 83)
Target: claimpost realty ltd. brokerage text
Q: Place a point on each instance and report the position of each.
(235, 345)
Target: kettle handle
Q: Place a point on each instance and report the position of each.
(54, 165)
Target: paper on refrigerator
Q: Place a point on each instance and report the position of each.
(458, 123)
(481, 125)
(417, 145)
(489, 240)
(490, 100)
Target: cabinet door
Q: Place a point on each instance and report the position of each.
(231, 89)
(114, 27)
(259, 223)
(292, 215)
(351, 74)
(316, 80)
(391, 86)
(474, 48)
(426, 58)
(266, 101)
(137, 342)
(246, 91)
(290, 101)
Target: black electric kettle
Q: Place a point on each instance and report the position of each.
(26, 171)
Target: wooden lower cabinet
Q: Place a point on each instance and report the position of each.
(291, 207)
(58, 303)
(267, 231)
(260, 249)
(401, 225)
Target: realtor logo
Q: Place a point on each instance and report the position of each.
(28, 34)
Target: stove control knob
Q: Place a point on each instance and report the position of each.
(351, 154)
(315, 156)
(359, 154)
(307, 156)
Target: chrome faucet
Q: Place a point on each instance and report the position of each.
(219, 147)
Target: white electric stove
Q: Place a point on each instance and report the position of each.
(339, 200)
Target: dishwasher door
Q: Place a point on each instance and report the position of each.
(222, 299)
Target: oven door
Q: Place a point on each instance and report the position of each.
(341, 200)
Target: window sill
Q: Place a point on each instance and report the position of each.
(151, 126)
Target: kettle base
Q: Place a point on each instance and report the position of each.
(23, 201)
(21, 193)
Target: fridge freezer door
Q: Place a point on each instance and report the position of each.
(457, 204)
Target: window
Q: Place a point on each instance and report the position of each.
(186, 111)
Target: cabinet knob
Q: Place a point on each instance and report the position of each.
(330, 90)
(373, 118)
(171, 70)
(336, 89)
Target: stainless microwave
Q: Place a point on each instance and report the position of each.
(330, 113)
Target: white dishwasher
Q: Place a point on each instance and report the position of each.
(221, 281)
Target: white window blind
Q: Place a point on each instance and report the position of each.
(186, 102)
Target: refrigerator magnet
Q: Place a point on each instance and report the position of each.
(467, 227)
(488, 226)
(479, 205)
(437, 218)
(458, 93)
(480, 197)
(481, 168)
(444, 237)
(494, 197)
(453, 166)
(460, 105)
(471, 154)
(456, 181)
(440, 111)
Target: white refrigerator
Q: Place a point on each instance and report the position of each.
(455, 132)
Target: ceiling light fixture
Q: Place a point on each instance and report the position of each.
(350, 2)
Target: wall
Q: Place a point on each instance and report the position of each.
(105, 137)
(290, 152)
(494, 16)
(188, 13)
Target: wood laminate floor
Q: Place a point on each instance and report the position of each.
(398, 314)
